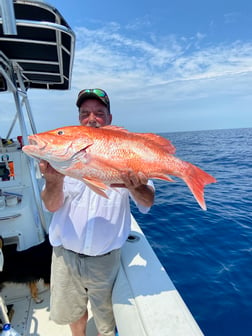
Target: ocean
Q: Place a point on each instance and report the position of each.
(208, 254)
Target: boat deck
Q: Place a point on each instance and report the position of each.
(32, 319)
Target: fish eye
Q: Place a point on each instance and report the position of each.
(60, 132)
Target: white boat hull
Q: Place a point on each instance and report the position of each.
(145, 301)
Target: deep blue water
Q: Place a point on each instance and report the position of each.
(208, 254)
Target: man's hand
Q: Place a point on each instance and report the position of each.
(134, 180)
(52, 194)
(137, 185)
(131, 180)
(49, 173)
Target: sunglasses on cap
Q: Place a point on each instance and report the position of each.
(98, 92)
(93, 93)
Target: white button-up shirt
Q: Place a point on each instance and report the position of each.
(90, 224)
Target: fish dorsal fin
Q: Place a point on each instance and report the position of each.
(97, 186)
(115, 128)
(159, 140)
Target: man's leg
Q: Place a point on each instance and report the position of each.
(102, 272)
(78, 328)
(68, 293)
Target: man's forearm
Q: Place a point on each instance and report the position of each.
(53, 196)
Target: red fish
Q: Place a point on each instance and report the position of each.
(97, 156)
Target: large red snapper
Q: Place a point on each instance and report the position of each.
(97, 156)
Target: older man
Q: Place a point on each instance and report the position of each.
(87, 232)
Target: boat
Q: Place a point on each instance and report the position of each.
(36, 52)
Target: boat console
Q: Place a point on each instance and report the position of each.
(19, 222)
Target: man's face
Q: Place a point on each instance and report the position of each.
(93, 113)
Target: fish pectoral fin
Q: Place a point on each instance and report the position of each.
(97, 186)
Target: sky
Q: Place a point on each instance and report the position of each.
(167, 66)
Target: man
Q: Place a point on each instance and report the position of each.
(87, 232)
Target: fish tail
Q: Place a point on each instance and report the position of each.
(196, 179)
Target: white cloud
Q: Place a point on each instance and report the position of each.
(109, 51)
(112, 59)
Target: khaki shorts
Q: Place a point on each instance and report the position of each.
(75, 279)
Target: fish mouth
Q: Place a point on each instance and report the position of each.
(38, 143)
(34, 147)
